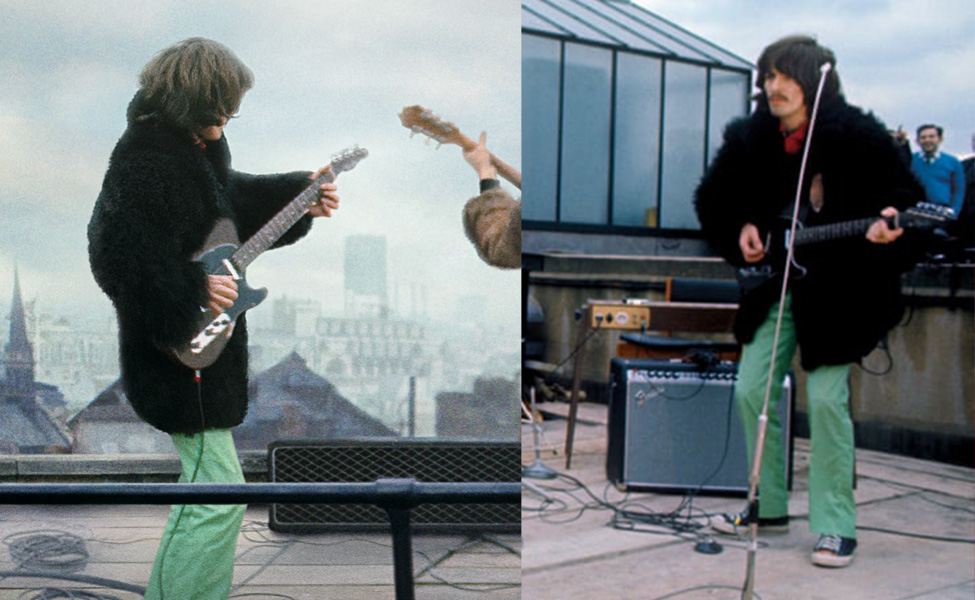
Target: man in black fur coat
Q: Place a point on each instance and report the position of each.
(849, 296)
(168, 182)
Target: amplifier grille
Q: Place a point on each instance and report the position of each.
(365, 461)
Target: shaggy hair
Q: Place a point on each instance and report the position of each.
(938, 128)
(195, 83)
(799, 57)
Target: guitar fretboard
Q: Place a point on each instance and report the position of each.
(280, 224)
(835, 231)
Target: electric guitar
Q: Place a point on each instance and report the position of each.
(223, 254)
(777, 242)
(419, 120)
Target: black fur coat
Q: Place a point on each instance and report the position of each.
(160, 198)
(851, 295)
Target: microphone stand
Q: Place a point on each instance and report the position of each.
(748, 588)
(537, 470)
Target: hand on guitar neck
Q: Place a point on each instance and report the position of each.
(479, 158)
(881, 231)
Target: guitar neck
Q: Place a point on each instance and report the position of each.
(419, 120)
(283, 221)
(836, 231)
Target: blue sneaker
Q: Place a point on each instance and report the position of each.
(833, 551)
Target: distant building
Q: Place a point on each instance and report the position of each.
(287, 401)
(109, 425)
(365, 275)
(27, 422)
(491, 412)
(78, 355)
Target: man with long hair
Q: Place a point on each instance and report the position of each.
(169, 181)
(849, 296)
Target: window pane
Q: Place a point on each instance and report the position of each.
(637, 141)
(683, 156)
(539, 125)
(585, 135)
(728, 100)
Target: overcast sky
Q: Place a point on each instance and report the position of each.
(909, 61)
(329, 75)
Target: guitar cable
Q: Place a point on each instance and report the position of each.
(196, 469)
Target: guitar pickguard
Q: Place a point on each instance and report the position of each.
(215, 329)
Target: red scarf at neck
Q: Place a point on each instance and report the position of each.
(794, 140)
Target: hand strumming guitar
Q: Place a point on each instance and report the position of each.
(750, 242)
(223, 292)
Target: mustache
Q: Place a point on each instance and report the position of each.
(782, 97)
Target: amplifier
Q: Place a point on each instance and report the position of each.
(673, 427)
(366, 460)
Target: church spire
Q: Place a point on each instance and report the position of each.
(18, 356)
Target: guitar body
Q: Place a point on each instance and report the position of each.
(214, 329)
(768, 270)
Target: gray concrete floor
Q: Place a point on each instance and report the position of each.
(122, 541)
(571, 553)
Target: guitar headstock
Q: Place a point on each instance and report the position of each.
(420, 120)
(347, 159)
(926, 215)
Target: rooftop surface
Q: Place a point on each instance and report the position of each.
(916, 532)
(120, 543)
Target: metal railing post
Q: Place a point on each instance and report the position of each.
(396, 497)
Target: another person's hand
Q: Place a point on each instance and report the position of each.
(750, 242)
(880, 233)
(328, 198)
(480, 159)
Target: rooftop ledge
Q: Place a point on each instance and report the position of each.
(93, 468)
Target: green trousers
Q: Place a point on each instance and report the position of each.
(195, 560)
(832, 508)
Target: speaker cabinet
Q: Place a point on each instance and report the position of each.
(366, 460)
(673, 427)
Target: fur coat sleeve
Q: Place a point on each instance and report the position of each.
(492, 222)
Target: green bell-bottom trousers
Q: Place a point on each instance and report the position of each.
(832, 508)
(195, 560)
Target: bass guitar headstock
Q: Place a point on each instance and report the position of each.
(420, 120)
